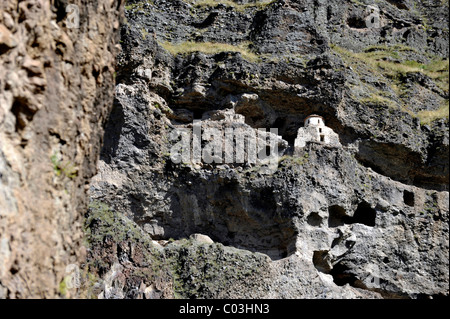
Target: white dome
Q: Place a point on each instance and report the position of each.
(315, 120)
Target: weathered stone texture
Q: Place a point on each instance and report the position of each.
(364, 218)
(56, 87)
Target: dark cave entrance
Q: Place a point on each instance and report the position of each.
(229, 215)
(364, 214)
(408, 198)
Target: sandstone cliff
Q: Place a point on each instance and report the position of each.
(57, 64)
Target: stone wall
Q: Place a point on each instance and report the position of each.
(322, 134)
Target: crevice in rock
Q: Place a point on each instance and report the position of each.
(114, 127)
(399, 4)
(386, 294)
(364, 214)
(433, 296)
(60, 6)
(320, 261)
(210, 19)
(22, 112)
(408, 198)
(314, 219)
(337, 216)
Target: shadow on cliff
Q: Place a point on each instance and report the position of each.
(113, 130)
(234, 215)
(243, 216)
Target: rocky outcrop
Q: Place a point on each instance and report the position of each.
(367, 82)
(339, 228)
(57, 66)
(365, 218)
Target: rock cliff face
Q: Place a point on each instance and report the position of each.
(57, 63)
(365, 218)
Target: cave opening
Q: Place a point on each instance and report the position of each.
(314, 219)
(408, 198)
(365, 214)
(244, 220)
(320, 261)
(356, 22)
(342, 275)
(337, 216)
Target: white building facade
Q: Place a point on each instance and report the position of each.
(315, 130)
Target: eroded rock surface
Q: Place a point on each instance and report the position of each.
(365, 218)
(56, 88)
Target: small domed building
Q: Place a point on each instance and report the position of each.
(314, 130)
(314, 119)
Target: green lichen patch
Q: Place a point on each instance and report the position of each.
(102, 221)
(206, 270)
